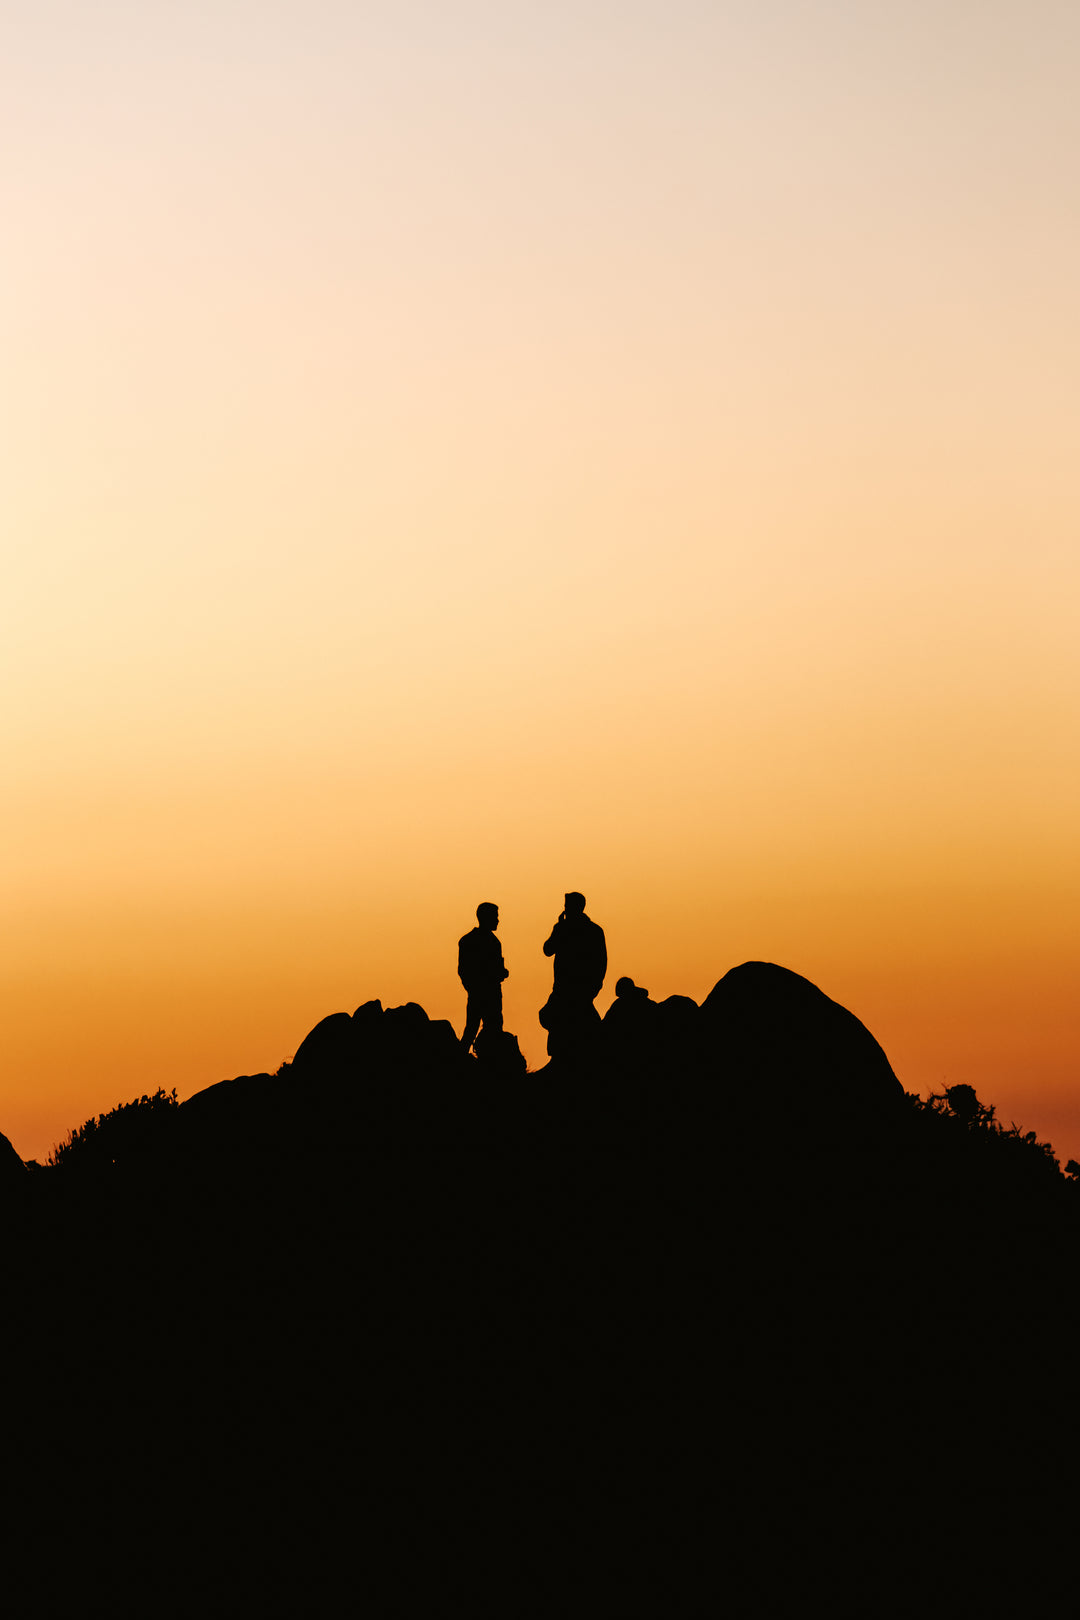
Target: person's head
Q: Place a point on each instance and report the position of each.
(627, 990)
(487, 915)
(574, 904)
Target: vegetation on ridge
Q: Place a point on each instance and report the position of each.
(122, 1133)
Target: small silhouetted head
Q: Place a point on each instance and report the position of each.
(487, 914)
(627, 990)
(575, 904)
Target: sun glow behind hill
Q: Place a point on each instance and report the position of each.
(473, 454)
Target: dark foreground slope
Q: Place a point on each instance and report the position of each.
(443, 1330)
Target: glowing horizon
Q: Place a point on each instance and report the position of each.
(473, 452)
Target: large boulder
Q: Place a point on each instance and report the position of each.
(783, 1039)
(391, 1041)
(418, 1044)
(678, 1023)
(332, 1045)
(498, 1055)
(12, 1169)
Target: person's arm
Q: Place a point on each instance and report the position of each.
(550, 942)
(599, 958)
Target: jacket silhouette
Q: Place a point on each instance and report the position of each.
(482, 970)
(580, 951)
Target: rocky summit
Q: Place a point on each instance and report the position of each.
(425, 1322)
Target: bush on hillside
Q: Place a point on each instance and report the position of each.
(957, 1112)
(127, 1131)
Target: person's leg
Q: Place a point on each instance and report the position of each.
(490, 1010)
(474, 1013)
(580, 1027)
(551, 1019)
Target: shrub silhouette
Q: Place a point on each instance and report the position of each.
(962, 1101)
(125, 1132)
(958, 1114)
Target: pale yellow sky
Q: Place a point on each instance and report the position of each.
(471, 451)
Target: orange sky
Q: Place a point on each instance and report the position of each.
(477, 450)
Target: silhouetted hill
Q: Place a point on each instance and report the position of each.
(775, 1031)
(445, 1328)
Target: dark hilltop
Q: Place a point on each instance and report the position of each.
(681, 1312)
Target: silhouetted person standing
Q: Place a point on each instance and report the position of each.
(580, 952)
(481, 970)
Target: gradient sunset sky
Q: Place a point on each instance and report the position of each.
(470, 450)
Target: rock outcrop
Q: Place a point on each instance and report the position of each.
(12, 1169)
(775, 1032)
(373, 1037)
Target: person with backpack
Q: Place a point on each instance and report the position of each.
(580, 951)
